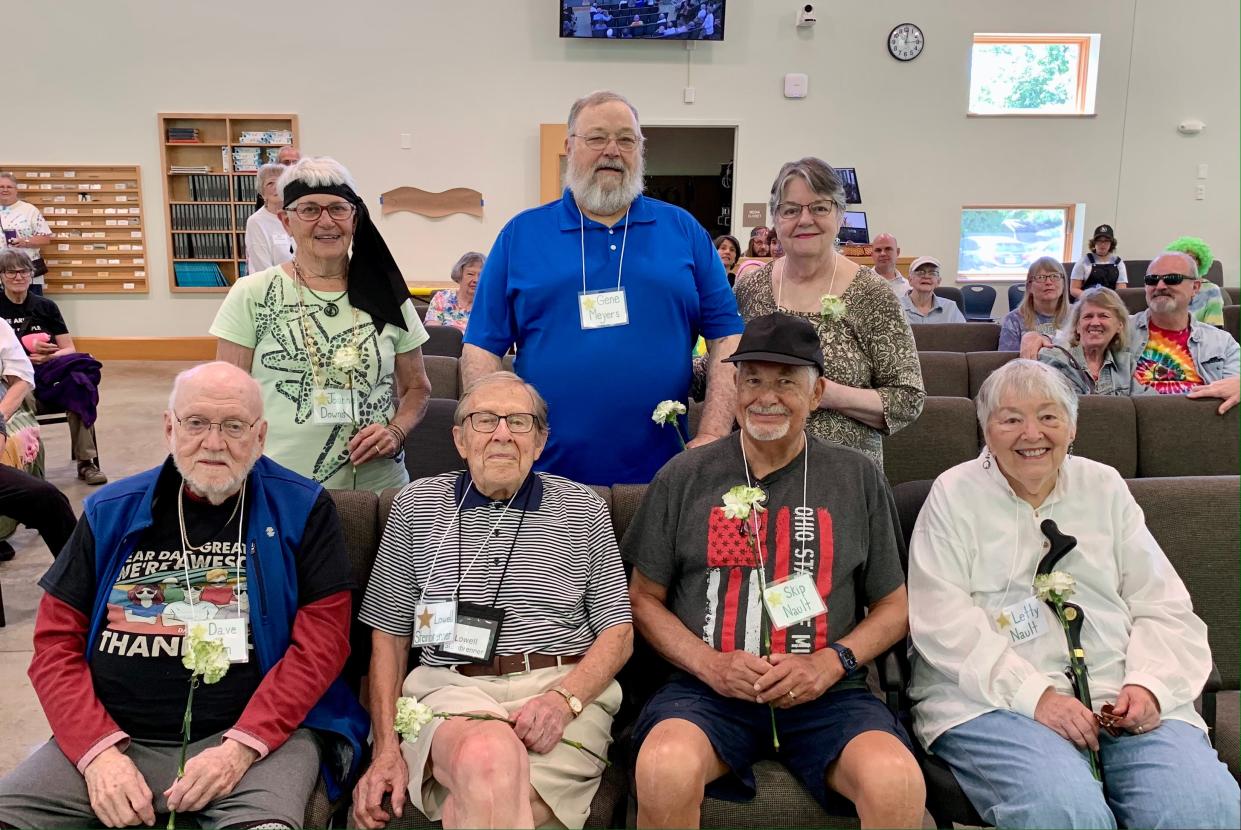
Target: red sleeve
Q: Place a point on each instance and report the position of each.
(61, 678)
(318, 647)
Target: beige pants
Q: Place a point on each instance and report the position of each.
(566, 778)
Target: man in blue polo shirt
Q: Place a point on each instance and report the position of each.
(604, 294)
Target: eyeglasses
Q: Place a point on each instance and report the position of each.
(926, 272)
(233, 428)
(624, 143)
(792, 210)
(1046, 278)
(487, 422)
(21, 272)
(310, 212)
(1168, 279)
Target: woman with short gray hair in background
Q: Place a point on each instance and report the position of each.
(452, 308)
(267, 241)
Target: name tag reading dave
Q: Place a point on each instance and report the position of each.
(1025, 621)
(333, 406)
(434, 622)
(232, 633)
(793, 600)
(603, 309)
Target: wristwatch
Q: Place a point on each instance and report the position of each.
(575, 705)
(846, 657)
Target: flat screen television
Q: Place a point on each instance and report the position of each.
(854, 229)
(848, 177)
(643, 19)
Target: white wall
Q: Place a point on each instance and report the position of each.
(472, 80)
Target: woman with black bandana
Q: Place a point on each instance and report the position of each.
(333, 339)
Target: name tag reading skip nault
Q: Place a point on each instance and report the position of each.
(1026, 620)
(434, 622)
(793, 600)
(603, 309)
(332, 406)
(232, 633)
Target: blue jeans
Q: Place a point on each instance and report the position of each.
(1019, 773)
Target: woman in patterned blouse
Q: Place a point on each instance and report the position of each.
(874, 378)
(452, 308)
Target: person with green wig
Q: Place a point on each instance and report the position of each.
(1208, 304)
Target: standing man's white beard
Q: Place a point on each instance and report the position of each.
(591, 195)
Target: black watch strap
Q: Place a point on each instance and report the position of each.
(846, 657)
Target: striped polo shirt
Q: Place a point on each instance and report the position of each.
(550, 561)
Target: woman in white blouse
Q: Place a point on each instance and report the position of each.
(268, 242)
(989, 685)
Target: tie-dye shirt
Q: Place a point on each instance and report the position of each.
(1166, 364)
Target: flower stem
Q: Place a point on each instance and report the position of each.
(476, 716)
(185, 740)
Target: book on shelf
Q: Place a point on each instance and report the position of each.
(188, 168)
(183, 135)
(199, 275)
(202, 245)
(266, 137)
(214, 188)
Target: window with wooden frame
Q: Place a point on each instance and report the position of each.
(1033, 74)
(1000, 241)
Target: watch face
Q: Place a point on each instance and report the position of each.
(905, 42)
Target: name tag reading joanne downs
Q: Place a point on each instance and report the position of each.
(603, 309)
(793, 600)
(332, 406)
(1025, 621)
(434, 622)
(232, 633)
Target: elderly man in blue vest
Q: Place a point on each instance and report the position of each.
(217, 541)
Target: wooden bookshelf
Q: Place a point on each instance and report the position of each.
(95, 212)
(205, 213)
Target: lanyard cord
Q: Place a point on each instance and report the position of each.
(186, 547)
(582, 235)
(443, 537)
(525, 504)
(805, 477)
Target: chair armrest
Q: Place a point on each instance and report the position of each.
(1214, 684)
(894, 672)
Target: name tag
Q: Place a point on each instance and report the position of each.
(434, 622)
(333, 406)
(477, 631)
(793, 600)
(1025, 621)
(603, 309)
(232, 633)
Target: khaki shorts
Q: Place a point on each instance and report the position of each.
(566, 778)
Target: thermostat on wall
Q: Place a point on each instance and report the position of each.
(795, 85)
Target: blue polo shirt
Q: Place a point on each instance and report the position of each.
(601, 385)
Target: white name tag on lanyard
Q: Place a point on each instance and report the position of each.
(434, 622)
(232, 633)
(333, 406)
(793, 600)
(1026, 620)
(603, 309)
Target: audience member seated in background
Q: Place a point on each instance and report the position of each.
(774, 245)
(874, 381)
(1031, 326)
(632, 340)
(1174, 353)
(332, 338)
(107, 664)
(32, 502)
(702, 732)
(1095, 358)
(921, 304)
(1208, 304)
(23, 228)
(267, 241)
(452, 308)
(729, 250)
(565, 630)
(65, 379)
(989, 685)
(758, 243)
(22, 449)
(1100, 265)
(884, 251)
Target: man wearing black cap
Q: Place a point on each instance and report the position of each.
(761, 608)
(1100, 265)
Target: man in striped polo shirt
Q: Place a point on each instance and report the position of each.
(511, 583)
(761, 610)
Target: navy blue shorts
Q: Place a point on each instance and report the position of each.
(812, 735)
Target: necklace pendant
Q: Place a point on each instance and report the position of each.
(331, 309)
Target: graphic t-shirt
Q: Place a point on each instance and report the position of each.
(1166, 364)
(37, 315)
(135, 659)
(844, 536)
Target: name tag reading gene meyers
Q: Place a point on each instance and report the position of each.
(793, 600)
(603, 309)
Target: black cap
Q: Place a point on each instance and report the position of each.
(1103, 232)
(779, 338)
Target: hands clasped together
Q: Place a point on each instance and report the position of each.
(782, 680)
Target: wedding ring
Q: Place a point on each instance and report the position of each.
(792, 695)
(1139, 730)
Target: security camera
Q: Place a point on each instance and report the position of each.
(806, 15)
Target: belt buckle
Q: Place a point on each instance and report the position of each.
(525, 659)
